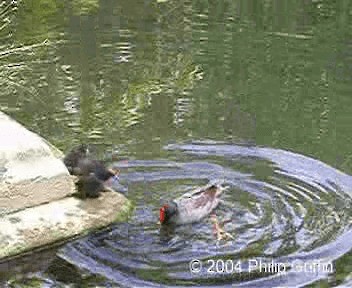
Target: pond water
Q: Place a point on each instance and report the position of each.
(254, 95)
(277, 208)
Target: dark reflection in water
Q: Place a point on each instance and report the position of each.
(134, 75)
(286, 210)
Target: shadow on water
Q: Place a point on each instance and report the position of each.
(290, 218)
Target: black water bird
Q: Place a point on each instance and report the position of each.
(72, 158)
(93, 176)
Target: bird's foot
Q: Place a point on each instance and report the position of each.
(223, 235)
(219, 231)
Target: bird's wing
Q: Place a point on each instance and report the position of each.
(199, 197)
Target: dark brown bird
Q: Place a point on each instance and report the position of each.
(74, 156)
(92, 174)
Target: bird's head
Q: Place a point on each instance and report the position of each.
(114, 174)
(166, 212)
(82, 149)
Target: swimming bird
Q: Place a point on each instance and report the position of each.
(192, 206)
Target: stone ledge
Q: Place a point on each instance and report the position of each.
(30, 171)
(21, 195)
(48, 223)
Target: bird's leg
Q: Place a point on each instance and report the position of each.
(219, 231)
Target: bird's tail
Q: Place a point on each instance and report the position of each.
(220, 188)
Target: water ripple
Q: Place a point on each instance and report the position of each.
(281, 208)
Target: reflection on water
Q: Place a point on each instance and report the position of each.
(134, 75)
(290, 217)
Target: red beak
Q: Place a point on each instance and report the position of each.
(162, 215)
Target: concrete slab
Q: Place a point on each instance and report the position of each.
(31, 172)
(58, 220)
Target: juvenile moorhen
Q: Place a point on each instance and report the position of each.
(92, 174)
(74, 156)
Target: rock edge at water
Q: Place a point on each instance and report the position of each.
(36, 209)
(62, 219)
